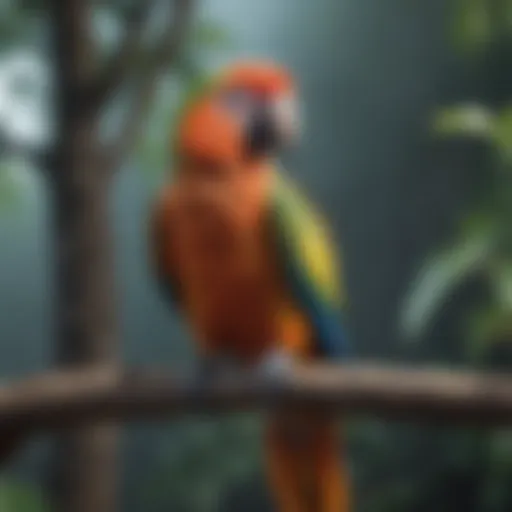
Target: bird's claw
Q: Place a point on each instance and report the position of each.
(211, 372)
(276, 368)
(206, 372)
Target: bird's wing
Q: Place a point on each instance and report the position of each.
(308, 260)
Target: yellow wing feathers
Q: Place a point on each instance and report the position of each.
(312, 240)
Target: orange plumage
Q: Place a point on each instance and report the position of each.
(206, 131)
(213, 245)
(263, 77)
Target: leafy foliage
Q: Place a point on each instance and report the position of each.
(207, 34)
(9, 190)
(472, 26)
(444, 273)
(212, 457)
(471, 120)
(19, 497)
(482, 246)
(477, 121)
(485, 247)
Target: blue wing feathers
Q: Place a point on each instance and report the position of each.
(322, 310)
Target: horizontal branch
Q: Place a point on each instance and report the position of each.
(63, 399)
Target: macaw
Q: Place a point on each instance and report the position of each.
(250, 262)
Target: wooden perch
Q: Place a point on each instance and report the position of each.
(63, 399)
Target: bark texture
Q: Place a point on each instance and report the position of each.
(84, 467)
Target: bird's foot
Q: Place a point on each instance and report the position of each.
(211, 371)
(276, 368)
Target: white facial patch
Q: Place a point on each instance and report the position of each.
(288, 118)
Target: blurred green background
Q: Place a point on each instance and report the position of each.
(408, 146)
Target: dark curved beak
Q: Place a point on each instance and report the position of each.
(267, 123)
(262, 132)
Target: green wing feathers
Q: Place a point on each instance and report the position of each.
(310, 262)
(313, 243)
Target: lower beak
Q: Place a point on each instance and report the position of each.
(262, 135)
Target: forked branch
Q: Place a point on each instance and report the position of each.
(120, 66)
(163, 55)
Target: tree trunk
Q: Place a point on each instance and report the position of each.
(84, 467)
(85, 471)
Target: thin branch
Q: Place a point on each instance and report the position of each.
(70, 398)
(164, 55)
(118, 69)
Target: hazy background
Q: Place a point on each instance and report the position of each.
(372, 74)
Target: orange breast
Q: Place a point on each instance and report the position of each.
(232, 308)
(244, 314)
(230, 283)
(228, 292)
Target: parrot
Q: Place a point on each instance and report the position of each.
(242, 253)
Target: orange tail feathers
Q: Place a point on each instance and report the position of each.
(305, 466)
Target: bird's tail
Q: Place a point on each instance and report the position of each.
(306, 466)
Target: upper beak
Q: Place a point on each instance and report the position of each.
(274, 124)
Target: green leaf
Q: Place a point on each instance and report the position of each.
(10, 190)
(496, 482)
(502, 285)
(18, 497)
(508, 14)
(503, 133)
(443, 274)
(484, 328)
(212, 456)
(156, 147)
(466, 120)
(472, 24)
(492, 324)
(501, 450)
(33, 6)
(211, 35)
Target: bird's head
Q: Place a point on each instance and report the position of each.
(262, 97)
(249, 113)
